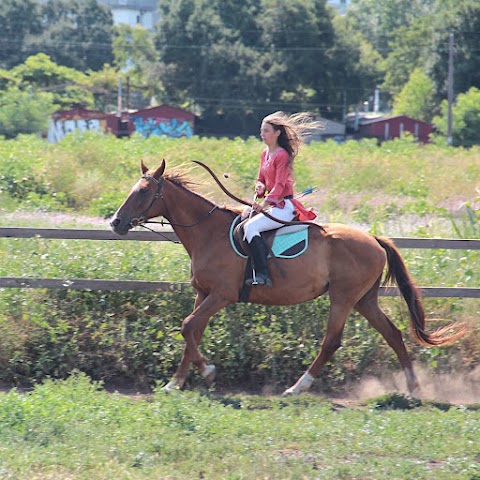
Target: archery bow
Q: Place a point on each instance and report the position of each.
(244, 202)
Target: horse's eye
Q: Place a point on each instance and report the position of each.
(143, 190)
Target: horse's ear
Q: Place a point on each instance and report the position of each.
(159, 171)
(144, 168)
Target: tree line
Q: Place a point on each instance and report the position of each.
(233, 62)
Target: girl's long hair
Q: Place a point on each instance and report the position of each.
(293, 129)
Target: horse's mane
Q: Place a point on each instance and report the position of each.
(180, 178)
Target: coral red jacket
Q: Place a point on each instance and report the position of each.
(276, 174)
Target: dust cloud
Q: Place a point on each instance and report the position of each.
(453, 388)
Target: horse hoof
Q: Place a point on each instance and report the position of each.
(301, 386)
(170, 387)
(209, 373)
(415, 392)
(289, 392)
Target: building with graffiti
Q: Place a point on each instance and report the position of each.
(164, 121)
(78, 120)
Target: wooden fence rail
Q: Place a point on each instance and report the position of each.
(169, 235)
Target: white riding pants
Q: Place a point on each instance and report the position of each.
(260, 223)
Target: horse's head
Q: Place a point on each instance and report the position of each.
(140, 205)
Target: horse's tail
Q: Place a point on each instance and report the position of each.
(397, 271)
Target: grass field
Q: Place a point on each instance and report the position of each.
(74, 429)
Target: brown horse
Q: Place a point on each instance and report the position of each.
(345, 261)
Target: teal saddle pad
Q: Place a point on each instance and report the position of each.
(290, 245)
(286, 244)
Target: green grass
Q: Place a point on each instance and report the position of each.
(129, 260)
(90, 259)
(397, 189)
(76, 430)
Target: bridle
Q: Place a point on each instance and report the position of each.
(140, 221)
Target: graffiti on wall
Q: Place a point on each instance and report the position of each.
(58, 129)
(172, 128)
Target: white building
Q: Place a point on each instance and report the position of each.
(339, 5)
(133, 12)
(146, 12)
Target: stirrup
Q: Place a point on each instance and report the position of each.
(253, 279)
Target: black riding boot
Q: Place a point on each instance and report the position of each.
(260, 254)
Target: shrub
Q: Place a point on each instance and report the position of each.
(136, 336)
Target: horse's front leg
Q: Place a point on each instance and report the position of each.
(192, 330)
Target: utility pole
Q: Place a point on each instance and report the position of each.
(450, 91)
(119, 98)
(128, 93)
(376, 101)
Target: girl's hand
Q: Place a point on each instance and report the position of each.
(260, 189)
(257, 207)
(246, 212)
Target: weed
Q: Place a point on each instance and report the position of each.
(394, 401)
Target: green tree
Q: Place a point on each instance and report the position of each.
(137, 61)
(24, 112)
(246, 59)
(462, 17)
(465, 118)
(299, 35)
(204, 61)
(424, 44)
(6, 79)
(410, 49)
(76, 34)
(103, 85)
(67, 85)
(416, 97)
(379, 21)
(356, 68)
(133, 47)
(18, 20)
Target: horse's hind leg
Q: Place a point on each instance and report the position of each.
(369, 308)
(192, 330)
(340, 308)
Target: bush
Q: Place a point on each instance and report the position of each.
(135, 337)
(23, 112)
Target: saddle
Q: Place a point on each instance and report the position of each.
(285, 242)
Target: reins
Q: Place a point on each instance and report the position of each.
(162, 222)
(157, 232)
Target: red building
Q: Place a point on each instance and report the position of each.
(393, 127)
